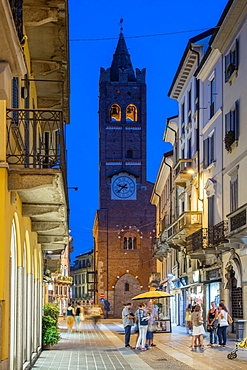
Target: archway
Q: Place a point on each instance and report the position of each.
(13, 296)
(125, 288)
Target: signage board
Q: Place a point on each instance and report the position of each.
(102, 299)
(102, 295)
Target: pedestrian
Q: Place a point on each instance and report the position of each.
(143, 318)
(188, 318)
(197, 327)
(95, 314)
(128, 321)
(152, 326)
(223, 324)
(64, 313)
(70, 317)
(78, 311)
(212, 323)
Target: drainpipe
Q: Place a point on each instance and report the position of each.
(170, 188)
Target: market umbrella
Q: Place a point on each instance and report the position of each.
(153, 294)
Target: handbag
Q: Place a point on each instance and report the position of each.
(210, 328)
(229, 319)
(152, 326)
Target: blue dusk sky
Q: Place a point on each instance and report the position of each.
(180, 20)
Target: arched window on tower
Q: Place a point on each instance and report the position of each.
(126, 287)
(130, 241)
(129, 153)
(115, 113)
(131, 113)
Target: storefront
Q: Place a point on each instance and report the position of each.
(212, 288)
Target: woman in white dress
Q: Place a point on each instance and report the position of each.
(198, 328)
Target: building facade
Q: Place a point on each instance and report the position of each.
(82, 273)
(125, 223)
(33, 210)
(208, 172)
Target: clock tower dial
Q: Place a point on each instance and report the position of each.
(123, 187)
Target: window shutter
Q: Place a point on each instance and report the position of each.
(212, 149)
(227, 62)
(205, 153)
(211, 211)
(227, 122)
(236, 54)
(236, 129)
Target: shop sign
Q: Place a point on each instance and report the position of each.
(213, 274)
(177, 291)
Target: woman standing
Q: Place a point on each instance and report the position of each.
(198, 329)
(188, 318)
(223, 324)
(212, 323)
(70, 317)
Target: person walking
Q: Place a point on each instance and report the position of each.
(223, 324)
(212, 323)
(151, 323)
(78, 311)
(70, 317)
(143, 318)
(128, 321)
(198, 328)
(188, 318)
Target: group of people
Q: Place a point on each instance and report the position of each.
(76, 315)
(218, 320)
(144, 318)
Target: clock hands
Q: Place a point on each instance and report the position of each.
(122, 187)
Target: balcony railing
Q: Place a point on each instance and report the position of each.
(183, 171)
(16, 8)
(35, 138)
(187, 222)
(207, 238)
(238, 219)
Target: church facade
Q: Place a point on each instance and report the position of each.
(124, 225)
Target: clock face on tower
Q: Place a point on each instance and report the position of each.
(123, 187)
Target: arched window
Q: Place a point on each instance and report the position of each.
(126, 287)
(130, 242)
(129, 153)
(115, 113)
(131, 113)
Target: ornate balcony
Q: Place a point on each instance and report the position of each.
(37, 171)
(183, 172)
(160, 249)
(207, 241)
(187, 223)
(238, 225)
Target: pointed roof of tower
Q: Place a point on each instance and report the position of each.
(121, 61)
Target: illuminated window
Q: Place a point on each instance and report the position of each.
(115, 113)
(131, 113)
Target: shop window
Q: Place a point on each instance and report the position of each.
(115, 113)
(131, 113)
(126, 287)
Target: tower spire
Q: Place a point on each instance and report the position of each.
(121, 62)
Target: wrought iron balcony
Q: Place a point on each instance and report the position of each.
(35, 138)
(183, 172)
(17, 12)
(187, 223)
(206, 240)
(238, 224)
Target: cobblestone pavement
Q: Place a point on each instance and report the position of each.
(102, 347)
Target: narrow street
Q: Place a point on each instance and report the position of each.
(102, 347)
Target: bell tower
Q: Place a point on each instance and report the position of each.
(125, 222)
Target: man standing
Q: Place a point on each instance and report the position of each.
(128, 321)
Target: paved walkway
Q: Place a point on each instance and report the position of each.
(102, 347)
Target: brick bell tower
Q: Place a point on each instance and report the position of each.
(124, 225)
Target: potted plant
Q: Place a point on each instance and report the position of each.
(50, 333)
(229, 140)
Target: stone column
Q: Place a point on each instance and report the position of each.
(29, 317)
